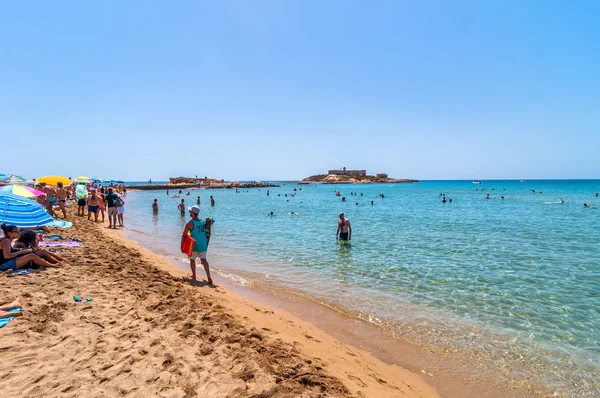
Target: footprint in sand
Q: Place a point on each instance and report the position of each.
(357, 381)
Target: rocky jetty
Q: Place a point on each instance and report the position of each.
(206, 183)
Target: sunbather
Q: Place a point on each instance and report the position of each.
(4, 309)
(29, 240)
(13, 259)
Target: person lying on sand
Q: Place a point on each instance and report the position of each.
(13, 259)
(4, 309)
(29, 240)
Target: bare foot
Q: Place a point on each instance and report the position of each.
(16, 303)
(190, 276)
(210, 281)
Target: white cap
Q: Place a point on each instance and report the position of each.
(194, 209)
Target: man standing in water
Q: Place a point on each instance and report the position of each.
(212, 201)
(181, 207)
(197, 229)
(344, 229)
(155, 207)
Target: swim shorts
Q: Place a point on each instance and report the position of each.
(343, 235)
(93, 209)
(197, 255)
(121, 210)
(112, 211)
(81, 202)
(10, 264)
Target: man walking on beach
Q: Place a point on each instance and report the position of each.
(197, 229)
(112, 202)
(61, 196)
(50, 198)
(344, 229)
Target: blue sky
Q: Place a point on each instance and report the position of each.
(285, 89)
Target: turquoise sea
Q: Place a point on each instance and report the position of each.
(513, 283)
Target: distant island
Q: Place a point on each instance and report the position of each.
(344, 176)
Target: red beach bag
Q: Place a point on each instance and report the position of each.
(187, 247)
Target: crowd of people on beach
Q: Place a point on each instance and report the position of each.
(20, 246)
(95, 199)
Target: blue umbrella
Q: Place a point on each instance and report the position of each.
(22, 212)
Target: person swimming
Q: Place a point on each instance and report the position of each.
(444, 200)
(585, 206)
(562, 202)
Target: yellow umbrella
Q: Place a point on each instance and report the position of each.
(53, 180)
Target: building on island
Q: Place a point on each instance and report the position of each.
(344, 172)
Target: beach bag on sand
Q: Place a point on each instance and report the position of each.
(187, 247)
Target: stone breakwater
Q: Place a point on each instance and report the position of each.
(220, 185)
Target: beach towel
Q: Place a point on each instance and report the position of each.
(54, 237)
(59, 244)
(60, 224)
(4, 321)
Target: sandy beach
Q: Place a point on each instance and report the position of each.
(147, 332)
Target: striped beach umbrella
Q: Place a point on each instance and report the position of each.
(22, 212)
(16, 180)
(22, 190)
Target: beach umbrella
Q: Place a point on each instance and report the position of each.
(4, 178)
(22, 212)
(16, 180)
(81, 192)
(83, 180)
(21, 190)
(53, 180)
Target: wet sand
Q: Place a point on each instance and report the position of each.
(147, 332)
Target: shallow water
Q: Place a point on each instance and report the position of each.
(514, 282)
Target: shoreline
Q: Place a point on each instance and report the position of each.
(437, 366)
(163, 336)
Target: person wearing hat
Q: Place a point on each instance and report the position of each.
(197, 229)
(344, 229)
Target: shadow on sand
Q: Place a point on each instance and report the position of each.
(202, 283)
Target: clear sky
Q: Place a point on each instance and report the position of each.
(284, 89)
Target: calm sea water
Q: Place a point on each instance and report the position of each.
(515, 282)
